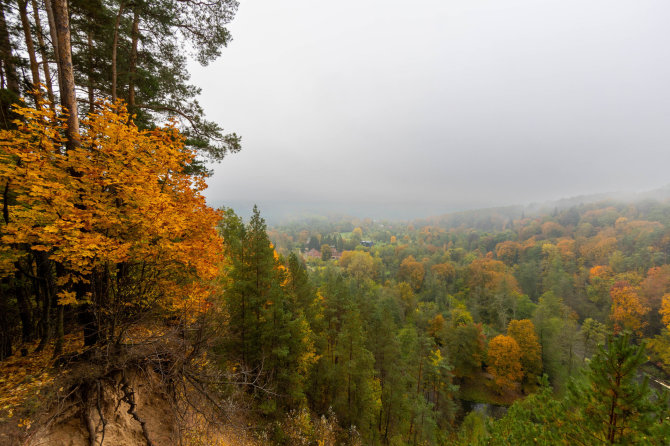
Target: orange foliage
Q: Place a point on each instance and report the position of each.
(504, 359)
(598, 249)
(566, 247)
(627, 310)
(665, 310)
(412, 271)
(508, 252)
(491, 275)
(551, 229)
(23, 379)
(600, 272)
(655, 285)
(445, 271)
(436, 325)
(120, 197)
(523, 332)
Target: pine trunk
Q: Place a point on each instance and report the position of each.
(115, 46)
(43, 54)
(6, 55)
(30, 47)
(91, 92)
(54, 39)
(133, 61)
(67, 93)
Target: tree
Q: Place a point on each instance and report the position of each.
(130, 50)
(445, 273)
(504, 359)
(87, 224)
(466, 346)
(354, 401)
(508, 252)
(412, 272)
(326, 252)
(359, 264)
(593, 333)
(268, 334)
(68, 95)
(556, 327)
(665, 310)
(489, 281)
(652, 290)
(523, 332)
(627, 309)
(536, 419)
(612, 406)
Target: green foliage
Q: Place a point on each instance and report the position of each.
(609, 405)
(268, 334)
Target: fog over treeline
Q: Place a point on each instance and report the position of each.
(282, 212)
(403, 110)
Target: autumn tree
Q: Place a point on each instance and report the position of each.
(610, 405)
(412, 272)
(504, 359)
(523, 332)
(92, 224)
(508, 252)
(627, 309)
(359, 264)
(445, 273)
(652, 289)
(103, 50)
(601, 279)
(493, 292)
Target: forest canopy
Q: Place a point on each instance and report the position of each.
(482, 327)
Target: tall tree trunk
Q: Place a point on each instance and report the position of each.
(6, 54)
(6, 334)
(30, 47)
(135, 35)
(115, 46)
(68, 95)
(25, 310)
(54, 39)
(91, 93)
(46, 291)
(43, 54)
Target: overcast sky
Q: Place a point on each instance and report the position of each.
(375, 106)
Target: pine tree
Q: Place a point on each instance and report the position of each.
(612, 405)
(269, 336)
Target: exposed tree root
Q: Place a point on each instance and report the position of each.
(129, 398)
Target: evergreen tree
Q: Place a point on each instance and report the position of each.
(612, 405)
(269, 336)
(609, 405)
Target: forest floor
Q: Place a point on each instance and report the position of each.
(45, 401)
(26, 382)
(480, 389)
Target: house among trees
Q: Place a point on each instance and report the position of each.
(313, 253)
(367, 243)
(316, 254)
